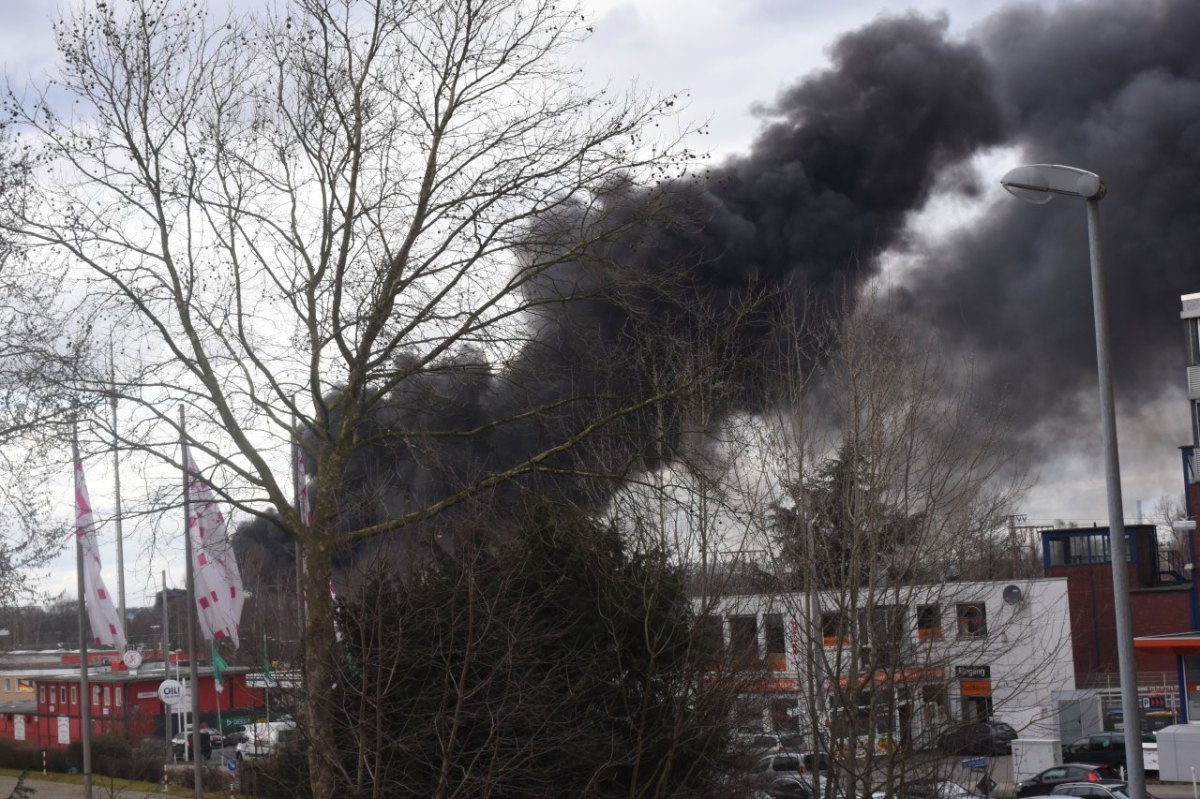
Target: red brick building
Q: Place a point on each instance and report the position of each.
(1163, 593)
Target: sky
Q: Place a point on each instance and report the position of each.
(731, 60)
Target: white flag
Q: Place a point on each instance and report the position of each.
(306, 508)
(215, 574)
(107, 629)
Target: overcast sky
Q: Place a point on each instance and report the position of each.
(728, 57)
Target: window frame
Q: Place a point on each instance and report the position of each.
(929, 622)
(972, 624)
(743, 642)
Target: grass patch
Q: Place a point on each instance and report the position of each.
(101, 782)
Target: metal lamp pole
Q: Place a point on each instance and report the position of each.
(1038, 183)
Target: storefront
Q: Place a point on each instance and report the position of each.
(1185, 647)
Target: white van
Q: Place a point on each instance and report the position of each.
(264, 739)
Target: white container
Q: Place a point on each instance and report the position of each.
(1033, 755)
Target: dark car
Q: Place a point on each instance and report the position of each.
(794, 787)
(791, 763)
(1045, 782)
(1103, 748)
(978, 738)
(236, 736)
(1108, 789)
(181, 745)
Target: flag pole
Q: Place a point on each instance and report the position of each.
(112, 378)
(168, 710)
(218, 689)
(193, 671)
(267, 677)
(85, 703)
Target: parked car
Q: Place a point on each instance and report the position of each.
(1044, 782)
(1104, 748)
(1096, 790)
(926, 789)
(797, 787)
(181, 744)
(265, 739)
(766, 743)
(978, 738)
(236, 736)
(796, 763)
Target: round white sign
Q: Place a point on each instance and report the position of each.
(132, 659)
(170, 692)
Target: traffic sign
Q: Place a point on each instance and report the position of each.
(975, 763)
(231, 764)
(986, 785)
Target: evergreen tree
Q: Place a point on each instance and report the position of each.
(557, 662)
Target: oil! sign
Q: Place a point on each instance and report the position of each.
(170, 692)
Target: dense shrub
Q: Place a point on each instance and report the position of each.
(112, 756)
(23, 755)
(216, 778)
(283, 776)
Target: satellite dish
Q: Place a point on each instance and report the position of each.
(1012, 595)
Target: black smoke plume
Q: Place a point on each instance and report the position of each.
(800, 222)
(1112, 87)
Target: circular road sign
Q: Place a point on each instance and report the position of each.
(132, 659)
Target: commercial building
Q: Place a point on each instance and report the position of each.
(941, 652)
(122, 701)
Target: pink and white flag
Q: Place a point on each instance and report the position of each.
(215, 573)
(105, 621)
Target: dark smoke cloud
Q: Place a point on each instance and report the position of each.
(1112, 87)
(799, 223)
(711, 266)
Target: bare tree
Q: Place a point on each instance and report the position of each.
(361, 220)
(41, 343)
(887, 491)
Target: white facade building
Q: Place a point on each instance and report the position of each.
(955, 651)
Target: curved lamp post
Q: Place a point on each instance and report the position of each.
(1038, 183)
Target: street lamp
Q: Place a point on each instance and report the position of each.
(1038, 183)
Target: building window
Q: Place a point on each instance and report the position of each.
(776, 642)
(710, 641)
(886, 635)
(833, 628)
(74, 694)
(107, 695)
(62, 694)
(95, 695)
(929, 622)
(41, 693)
(748, 714)
(743, 641)
(784, 715)
(8, 685)
(117, 695)
(972, 620)
(1191, 328)
(1087, 547)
